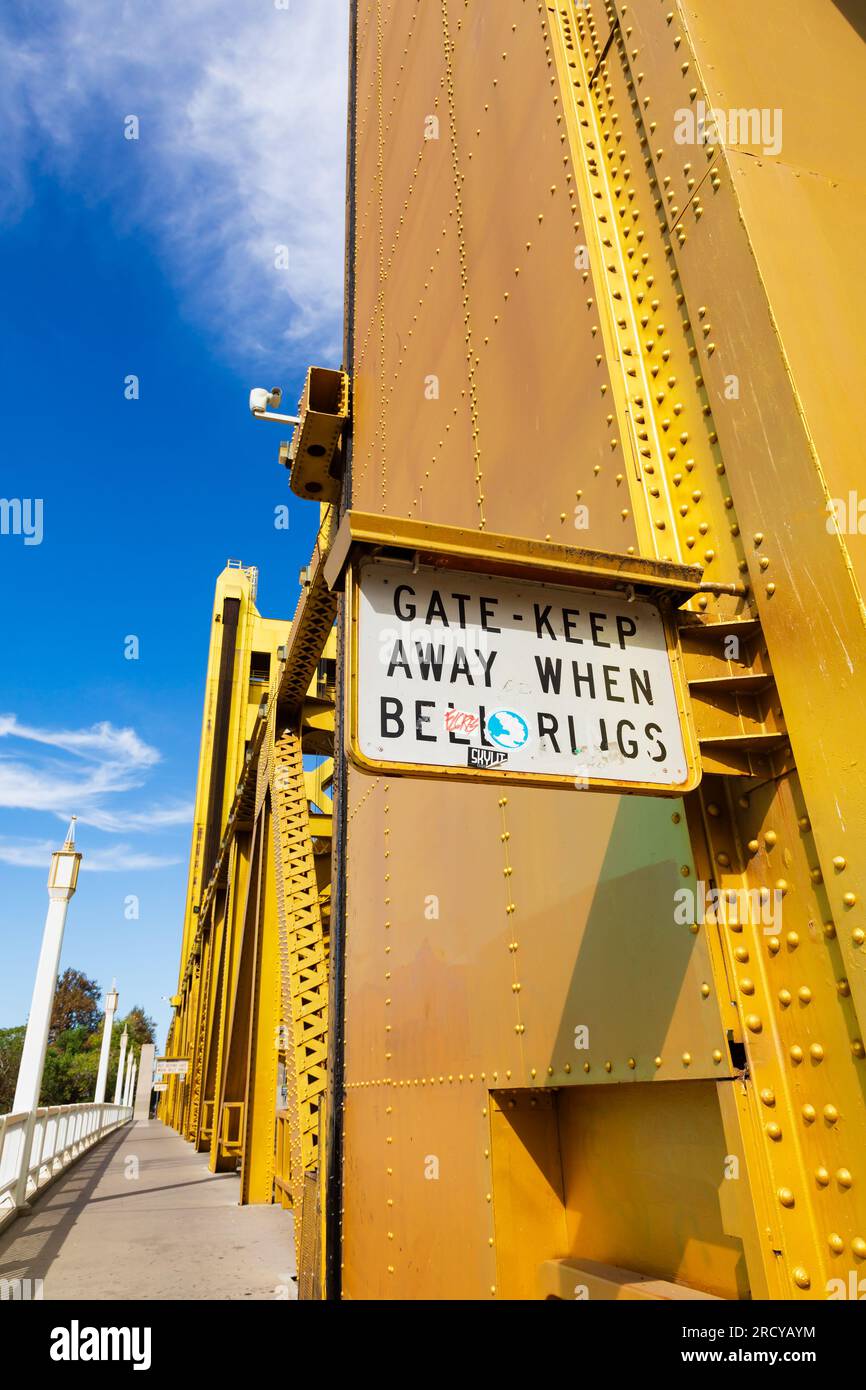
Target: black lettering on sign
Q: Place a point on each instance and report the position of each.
(487, 606)
(486, 665)
(390, 713)
(643, 686)
(579, 679)
(427, 662)
(549, 673)
(542, 620)
(399, 658)
(596, 622)
(461, 666)
(421, 719)
(482, 715)
(652, 731)
(548, 726)
(627, 748)
(569, 618)
(610, 674)
(461, 600)
(452, 736)
(436, 608)
(407, 613)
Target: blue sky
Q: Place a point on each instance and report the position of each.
(153, 257)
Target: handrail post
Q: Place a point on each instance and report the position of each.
(24, 1152)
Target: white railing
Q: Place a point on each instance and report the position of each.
(36, 1146)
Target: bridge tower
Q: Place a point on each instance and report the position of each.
(602, 312)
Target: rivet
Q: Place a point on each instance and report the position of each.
(753, 1023)
(843, 1177)
(687, 1059)
(801, 1278)
(768, 1096)
(816, 1052)
(786, 1196)
(858, 1247)
(822, 1177)
(831, 1114)
(808, 1113)
(774, 1131)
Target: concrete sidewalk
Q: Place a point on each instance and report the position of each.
(140, 1216)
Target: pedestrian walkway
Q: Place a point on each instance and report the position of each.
(141, 1216)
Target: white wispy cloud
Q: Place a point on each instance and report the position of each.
(157, 818)
(82, 771)
(36, 854)
(242, 147)
(102, 761)
(97, 742)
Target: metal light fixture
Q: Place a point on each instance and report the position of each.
(63, 873)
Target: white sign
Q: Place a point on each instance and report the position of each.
(456, 670)
(160, 1085)
(167, 1066)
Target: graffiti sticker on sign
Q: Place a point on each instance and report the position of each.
(460, 673)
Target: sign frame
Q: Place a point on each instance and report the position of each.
(172, 1066)
(664, 584)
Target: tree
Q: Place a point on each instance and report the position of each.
(142, 1029)
(71, 1064)
(74, 1044)
(11, 1046)
(76, 1004)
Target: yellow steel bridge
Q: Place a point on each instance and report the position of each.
(560, 1029)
